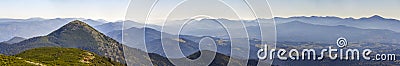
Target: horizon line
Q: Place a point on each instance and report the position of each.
(307, 16)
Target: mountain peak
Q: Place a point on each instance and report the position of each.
(14, 40)
(376, 17)
(77, 22)
(74, 26)
(296, 23)
(77, 34)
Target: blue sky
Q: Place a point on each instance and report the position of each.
(112, 10)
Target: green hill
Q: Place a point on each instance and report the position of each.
(75, 34)
(57, 56)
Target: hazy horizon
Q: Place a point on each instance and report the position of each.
(116, 10)
(219, 18)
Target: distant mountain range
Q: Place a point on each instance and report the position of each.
(367, 29)
(294, 31)
(28, 28)
(314, 29)
(14, 40)
(137, 57)
(121, 25)
(152, 40)
(304, 32)
(373, 22)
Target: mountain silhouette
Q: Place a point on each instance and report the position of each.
(304, 32)
(138, 58)
(14, 40)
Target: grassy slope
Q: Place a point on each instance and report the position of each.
(12, 61)
(57, 56)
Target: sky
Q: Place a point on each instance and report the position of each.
(112, 10)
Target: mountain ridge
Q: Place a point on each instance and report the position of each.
(300, 31)
(14, 40)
